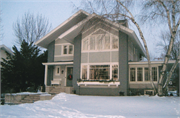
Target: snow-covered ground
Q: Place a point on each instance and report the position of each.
(74, 106)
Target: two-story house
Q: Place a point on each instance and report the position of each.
(91, 55)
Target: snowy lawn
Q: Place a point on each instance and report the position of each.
(74, 106)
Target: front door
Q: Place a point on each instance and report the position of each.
(69, 76)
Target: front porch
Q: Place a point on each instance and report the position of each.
(58, 77)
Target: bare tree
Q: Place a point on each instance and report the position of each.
(115, 10)
(162, 45)
(167, 12)
(31, 28)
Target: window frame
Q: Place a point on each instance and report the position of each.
(143, 72)
(88, 38)
(88, 69)
(68, 45)
(56, 68)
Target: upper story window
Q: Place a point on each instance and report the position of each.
(68, 49)
(100, 42)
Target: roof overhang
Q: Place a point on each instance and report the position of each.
(51, 36)
(3, 47)
(74, 26)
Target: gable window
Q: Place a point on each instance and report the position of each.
(114, 43)
(132, 74)
(107, 42)
(85, 44)
(92, 43)
(68, 49)
(100, 42)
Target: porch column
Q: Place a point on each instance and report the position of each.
(45, 76)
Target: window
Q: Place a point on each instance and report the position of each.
(70, 49)
(115, 72)
(67, 49)
(154, 73)
(99, 72)
(107, 42)
(114, 43)
(57, 70)
(146, 76)
(85, 44)
(92, 43)
(139, 74)
(99, 42)
(84, 72)
(132, 74)
(143, 74)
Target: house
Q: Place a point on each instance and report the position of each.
(91, 55)
(3, 50)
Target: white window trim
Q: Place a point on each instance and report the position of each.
(142, 82)
(62, 50)
(97, 50)
(57, 74)
(89, 64)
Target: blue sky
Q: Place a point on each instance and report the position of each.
(57, 11)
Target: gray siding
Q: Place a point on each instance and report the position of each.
(123, 62)
(58, 49)
(50, 59)
(63, 58)
(51, 52)
(84, 57)
(77, 61)
(114, 56)
(96, 57)
(99, 91)
(60, 41)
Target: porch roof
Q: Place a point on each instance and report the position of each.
(58, 63)
(152, 62)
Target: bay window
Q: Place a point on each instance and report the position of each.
(115, 72)
(84, 72)
(99, 72)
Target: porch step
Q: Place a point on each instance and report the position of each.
(57, 90)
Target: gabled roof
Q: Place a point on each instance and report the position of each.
(69, 29)
(3, 47)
